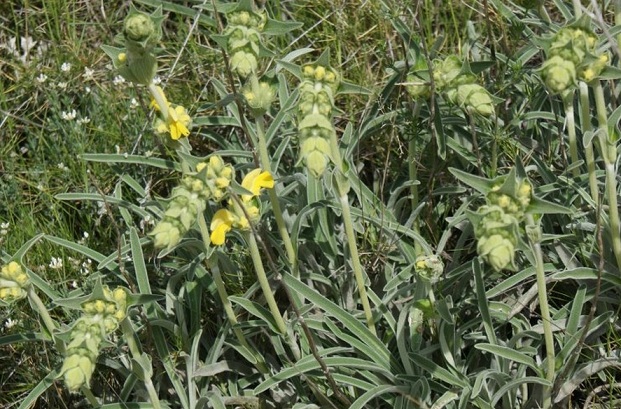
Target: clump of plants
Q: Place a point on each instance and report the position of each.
(268, 273)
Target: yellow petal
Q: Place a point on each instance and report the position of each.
(221, 224)
(255, 181)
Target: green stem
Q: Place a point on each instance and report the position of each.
(342, 189)
(585, 121)
(413, 173)
(534, 237)
(609, 153)
(280, 221)
(264, 283)
(224, 298)
(45, 317)
(617, 10)
(577, 8)
(355, 258)
(130, 339)
(568, 103)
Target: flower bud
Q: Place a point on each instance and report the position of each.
(446, 72)
(497, 251)
(475, 98)
(429, 268)
(166, 234)
(558, 74)
(77, 369)
(259, 96)
(140, 28)
(244, 63)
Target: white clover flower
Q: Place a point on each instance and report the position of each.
(41, 78)
(56, 263)
(84, 120)
(88, 74)
(66, 67)
(69, 116)
(118, 80)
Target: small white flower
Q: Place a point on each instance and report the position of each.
(41, 78)
(63, 167)
(40, 187)
(4, 228)
(69, 116)
(157, 80)
(62, 85)
(23, 150)
(56, 263)
(88, 73)
(118, 80)
(10, 323)
(84, 120)
(66, 67)
(87, 90)
(133, 103)
(85, 235)
(101, 208)
(74, 284)
(146, 222)
(86, 266)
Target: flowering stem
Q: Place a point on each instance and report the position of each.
(534, 237)
(568, 103)
(609, 153)
(342, 188)
(413, 174)
(224, 297)
(134, 349)
(585, 121)
(280, 221)
(45, 317)
(264, 283)
(159, 99)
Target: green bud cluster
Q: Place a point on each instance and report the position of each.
(460, 87)
(13, 282)
(496, 224)
(141, 33)
(429, 268)
(314, 114)
(571, 57)
(100, 317)
(259, 95)
(243, 34)
(190, 198)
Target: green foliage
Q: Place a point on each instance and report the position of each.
(340, 206)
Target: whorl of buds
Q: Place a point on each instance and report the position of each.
(473, 98)
(259, 96)
(429, 268)
(141, 33)
(243, 34)
(571, 57)
(100, 317)
(140, 28)
(558, 74)
(13, 282)
(314, 113)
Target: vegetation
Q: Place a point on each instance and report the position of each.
(269, 205)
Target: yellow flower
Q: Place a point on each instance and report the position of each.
(221, 224)
(255, 181)
(177, 124)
